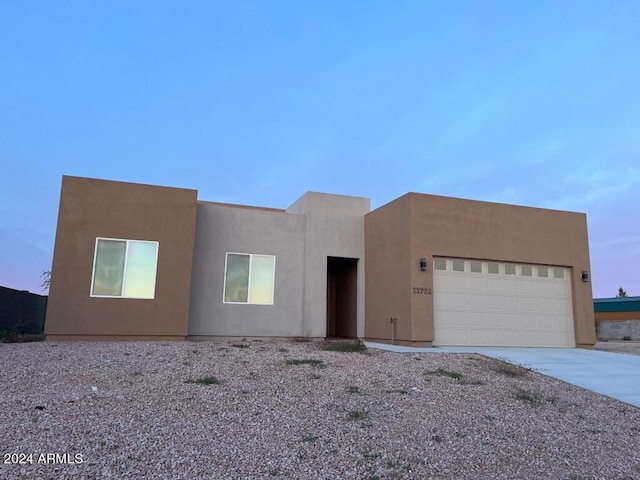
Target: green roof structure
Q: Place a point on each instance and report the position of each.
(617, 304)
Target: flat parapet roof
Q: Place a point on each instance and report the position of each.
(247, 207)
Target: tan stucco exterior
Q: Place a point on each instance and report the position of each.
(92, 208)
(334, 260)
(417, 226)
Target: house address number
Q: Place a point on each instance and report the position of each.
(421, 291)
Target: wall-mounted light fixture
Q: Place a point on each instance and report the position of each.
(423, 264)
(585, 276)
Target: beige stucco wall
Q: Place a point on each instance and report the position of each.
(334, 228)
(450, 227)
(316, 226)
(225, 228)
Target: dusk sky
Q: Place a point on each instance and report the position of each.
(256, 102)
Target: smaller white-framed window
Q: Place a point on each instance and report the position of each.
(476, 267)
(527, 271)
(493, 268)
(509, 269)
(124, 268)
(439, 263)
(543, 272)
(249, 278)
(558, 273)
(458, 265)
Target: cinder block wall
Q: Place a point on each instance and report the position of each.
(618, 329)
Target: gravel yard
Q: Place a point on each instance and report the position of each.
(283, 409)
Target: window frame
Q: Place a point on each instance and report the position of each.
(248, 302)
(476, 263)
(437, 262)
(124, 270)
(510, 270)
(464, 265)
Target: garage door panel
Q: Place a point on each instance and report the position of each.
(477, 302)
(493, 284)
(526, 287)
(476, 284)
(544, 287)
(510, 286)
(458, 284)
(527, 304)
(510, 303)
(494, 302)
(477, 319)
(522, 309)
(458, 299)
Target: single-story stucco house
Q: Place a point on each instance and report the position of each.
(151, 262)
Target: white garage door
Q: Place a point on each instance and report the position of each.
(501, 304)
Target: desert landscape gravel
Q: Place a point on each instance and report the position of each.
(234, 409)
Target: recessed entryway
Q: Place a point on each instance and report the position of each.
(342, 297)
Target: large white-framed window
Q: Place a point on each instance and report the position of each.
(249, 278)
(124, 268)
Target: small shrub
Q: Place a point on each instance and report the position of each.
(352, 390)
(310, 438)
(240, 345)
(401, 391)
(205, 381)
(528, 396)
(357, 414)
(305, 361)
(626, 338)
(509, 369)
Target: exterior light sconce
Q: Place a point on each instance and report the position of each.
(423, 264)
(585, 276)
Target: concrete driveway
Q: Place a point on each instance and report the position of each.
(616, 375)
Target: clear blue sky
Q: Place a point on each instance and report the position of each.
(255, 102)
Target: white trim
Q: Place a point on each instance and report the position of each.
(250, 255)
(124, 271)
(249, 279)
